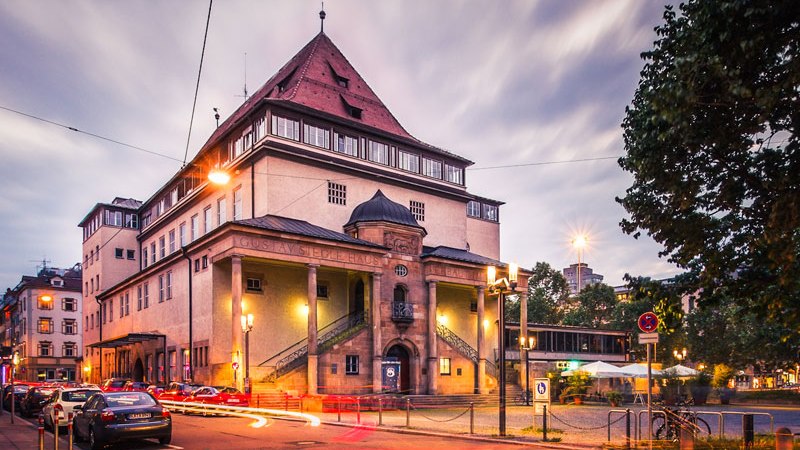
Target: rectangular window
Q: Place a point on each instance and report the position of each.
(153, 252)
(204, 259)
(208, 224)
(69, 326)
(222, 213)
(121, 306)
(195, 228)
(139, 298)
(408, 161)
(162, 247)
(432, 168)
(131, 221)
(118, 253)
(351, 364)
(453, 174)
(473, 208)
(259, 129)
(144, 257)
(337, 193)
(254, 284)
(45, 302)
(316, 136)
(417, 210)
(44, 325)
(131, 254)
(172, 241)
(110, 311)
(69, 350)
(444, 366)
(146, 295)
(182, 233)
(127, 304)
(490, 212)
(345, 144)
(283, 127)
(237, 203)
(160, 288)
(378, 152)
(169, 285)
(45, 348)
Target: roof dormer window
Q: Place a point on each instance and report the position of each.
(57, 282)
(340, 80)
(352, 111)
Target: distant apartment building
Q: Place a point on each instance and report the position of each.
(44, 319)
(581, 272)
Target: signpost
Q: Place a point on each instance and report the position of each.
(541, 395)
(648, 323)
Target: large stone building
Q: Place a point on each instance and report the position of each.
(580, 274)
(41, 324)
(355, 248)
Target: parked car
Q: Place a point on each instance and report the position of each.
(34, 400)
(138, 386)
(155, 389)
(177, 392)
(19, 391)
(113, 384)
(63, 402)
(109, 417)
(218, 396)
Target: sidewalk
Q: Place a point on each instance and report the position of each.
(20, 435)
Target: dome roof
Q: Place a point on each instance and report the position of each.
(381, 209)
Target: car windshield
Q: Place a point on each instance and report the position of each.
(117, 383)
(130, 399)
(76, 396)
(20, 389)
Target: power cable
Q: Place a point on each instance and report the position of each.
(197, 85)
(545, 163)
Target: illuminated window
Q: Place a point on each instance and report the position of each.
(44, 325)
(444, 366)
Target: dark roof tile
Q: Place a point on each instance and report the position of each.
(301, 228)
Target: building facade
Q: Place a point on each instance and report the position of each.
(354, 249)
(581, 272)
(44, 313)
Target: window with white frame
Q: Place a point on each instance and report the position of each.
(284, 127)
(316, 136)
(144, 259)
(473, 208)
(131, 221)
(171, 241)
(169, 285)
(110, 311)
(207, 219)
(146, 289)
(432, 168)
(121, 306)
(45, 302)
(444, 366)
(127, 304)
(490, 213)
(408, 161)
(139, 298)
(453, 174)
(378, 152)
(351, 364)
(182, 233)
(152, 254)
(237, 203)
(345, 144)
(161, 288)
(337, 193)
(254, 284)
(417, 210)
(195, 231)
(259, 129)
(162, 247)
(69, 326)
(222, 211)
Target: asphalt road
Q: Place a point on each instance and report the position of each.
(229, 433)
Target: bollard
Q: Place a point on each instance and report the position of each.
(408, 413)
(784, 440)
(338, 409)
(380, 411)
(628, 428)
(471, 417)
(358, 410)
(686, 438)
(544, 423)
(55, 430)
(747, 430)
(69, 430)
(41, 432)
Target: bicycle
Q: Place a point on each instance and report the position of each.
(523, 398)
(668, 425)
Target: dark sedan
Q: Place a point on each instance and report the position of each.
(34, 400)
(115, 416)
(19, 391)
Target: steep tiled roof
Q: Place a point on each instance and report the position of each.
(301, 228)
(459, 255)
(381, 209)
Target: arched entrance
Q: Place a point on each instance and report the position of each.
(397, 358)
(138, 370)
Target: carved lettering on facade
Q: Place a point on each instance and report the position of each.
(460, 273)
(401, 243)
(307, 250)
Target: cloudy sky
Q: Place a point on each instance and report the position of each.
(502, 83)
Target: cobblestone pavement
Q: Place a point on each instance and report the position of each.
(584, 425)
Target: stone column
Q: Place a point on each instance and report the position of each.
(377, 335)
(236, 321)
(433, 353)
(523, 333)
(313, 356)
(482, 388)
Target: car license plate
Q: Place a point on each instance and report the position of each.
(233, 400)
(139, 416)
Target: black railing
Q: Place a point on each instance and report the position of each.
(463, 347)
(402, 312)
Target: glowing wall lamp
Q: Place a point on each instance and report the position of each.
(218, 176)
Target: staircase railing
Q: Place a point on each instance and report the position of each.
(461, 346)
(296, 355)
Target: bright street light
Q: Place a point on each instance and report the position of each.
(218, 176)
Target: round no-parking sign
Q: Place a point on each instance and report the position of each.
(648, 322)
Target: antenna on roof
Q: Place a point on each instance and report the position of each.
(244, 95)
(216, 115)
(322, 18)
(40, 268)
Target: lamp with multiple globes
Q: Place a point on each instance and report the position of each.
(527, 345)
(500, 287)
(679, 355)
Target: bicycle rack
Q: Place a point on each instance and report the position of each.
(720, 420)
(742, 414)
(639, 421)
(621, 411)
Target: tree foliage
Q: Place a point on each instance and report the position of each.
(548, 292)
(592, 308)
(711, 140)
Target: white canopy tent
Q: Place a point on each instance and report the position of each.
(679, 371)
(598, 369)
(639, 370)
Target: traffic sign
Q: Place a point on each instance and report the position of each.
(648, 338)
(648, 322)
(541, 389)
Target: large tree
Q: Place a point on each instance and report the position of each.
(548, 292)
(592, 308)
(711, 140)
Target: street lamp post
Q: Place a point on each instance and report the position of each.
(14, 364)
(247, 327)
(679, 355)
(527, 345)
(502, 286)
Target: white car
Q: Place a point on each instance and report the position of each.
(62, 402)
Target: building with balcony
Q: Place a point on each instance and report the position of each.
(42, 317)
(347, 240)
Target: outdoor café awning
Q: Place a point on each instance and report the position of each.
(128, 339)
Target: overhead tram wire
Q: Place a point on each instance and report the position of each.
(545, 163)
(197, 85)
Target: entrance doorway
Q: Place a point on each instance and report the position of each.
(357, 304)
(399, 357)
(138, 370)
